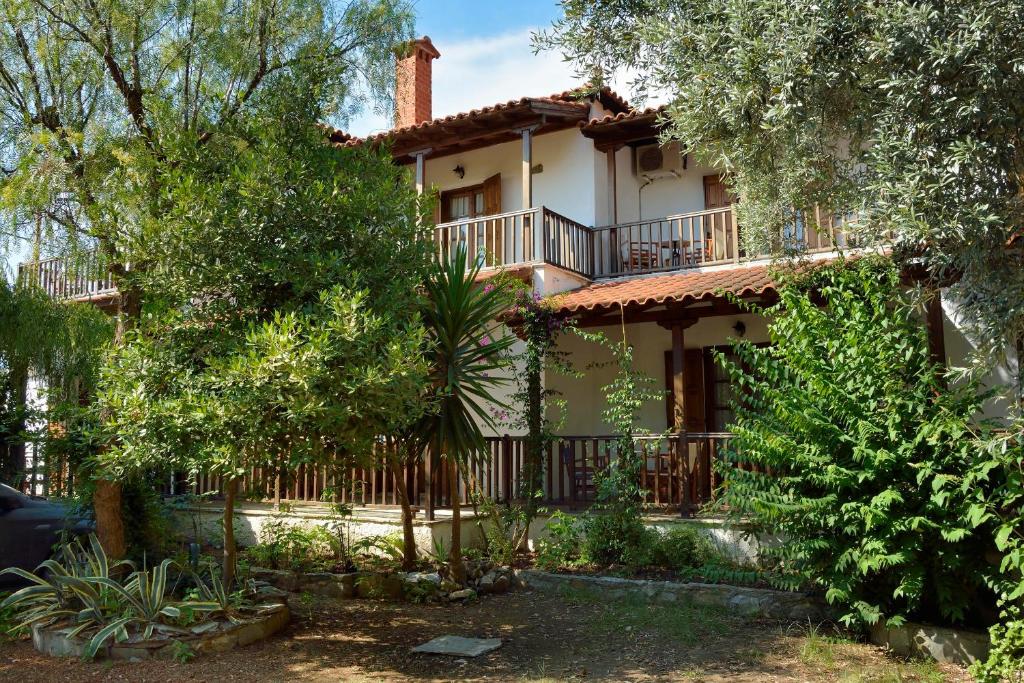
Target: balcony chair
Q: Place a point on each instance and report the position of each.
(642, 258)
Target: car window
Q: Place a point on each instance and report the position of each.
(12, 495)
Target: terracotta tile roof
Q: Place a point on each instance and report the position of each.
(661, 289)
(606, 95)
(630, 115)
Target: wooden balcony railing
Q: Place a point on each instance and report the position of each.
(538, 235)
(687, 240)
(80, 276)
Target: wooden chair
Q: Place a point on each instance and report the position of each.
(642, 258)
(581, 480)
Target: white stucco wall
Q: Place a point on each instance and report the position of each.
(664, 196)
(585, 400)
(960, 348)
(566, 185)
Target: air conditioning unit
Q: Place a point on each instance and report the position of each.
(654, 160)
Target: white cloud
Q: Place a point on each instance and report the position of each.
(486, 70)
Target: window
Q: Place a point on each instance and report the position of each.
(464, 203)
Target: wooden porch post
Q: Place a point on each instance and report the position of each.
(933, 323)
(679, 411)
(527, 199)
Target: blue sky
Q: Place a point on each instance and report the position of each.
(485, 56)
(457, 19)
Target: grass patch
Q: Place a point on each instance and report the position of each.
(681, 622)
(898, 672)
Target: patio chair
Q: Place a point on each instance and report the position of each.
(642, 258)
(581, 480)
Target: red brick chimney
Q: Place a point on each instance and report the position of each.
(413, 92)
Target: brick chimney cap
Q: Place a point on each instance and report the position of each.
(426, 45)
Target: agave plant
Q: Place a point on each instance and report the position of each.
(62, 588)
(78, 586)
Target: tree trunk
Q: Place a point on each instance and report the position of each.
(109, 521)
(534, 479)
(408, 533)
(455, 554)
(106, 502)
(230, 489)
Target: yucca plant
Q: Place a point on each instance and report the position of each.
(469, 352)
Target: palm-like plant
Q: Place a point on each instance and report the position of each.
(469, 351)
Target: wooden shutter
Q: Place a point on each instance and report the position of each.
(693, 399)
(492, 195)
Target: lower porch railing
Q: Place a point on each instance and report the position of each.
(678, 473)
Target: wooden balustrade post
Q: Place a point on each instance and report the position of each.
(428, 473)
(735, 236)
(506, 467)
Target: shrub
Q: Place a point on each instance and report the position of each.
(81, 591)
(617, 539)
(683, 547)
(866, 448)
(296, 547)
(562, 546)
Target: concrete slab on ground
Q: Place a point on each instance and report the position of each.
(458, 646)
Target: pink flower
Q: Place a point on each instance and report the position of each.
(485, 340)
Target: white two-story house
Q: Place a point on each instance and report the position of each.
(573, 193)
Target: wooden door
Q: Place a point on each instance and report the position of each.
(494, 237)
(694, 402)
(717, 230)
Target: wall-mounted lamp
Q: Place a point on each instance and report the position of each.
(739, 328)
(459, 171)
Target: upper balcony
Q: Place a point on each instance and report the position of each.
(711, 237)
(697, 239)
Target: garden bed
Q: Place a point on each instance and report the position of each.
(212, 636)
(739, 600)
(416, 586)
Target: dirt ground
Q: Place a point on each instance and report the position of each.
(574, 637)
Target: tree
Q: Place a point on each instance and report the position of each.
(59, 343)
(861, 453)
(282, 327)
(909, 114)
(467, 353)
(95, 99)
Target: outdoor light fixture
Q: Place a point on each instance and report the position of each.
(740, 328)
(459, 171)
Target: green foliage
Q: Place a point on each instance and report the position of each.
(561, 547)
(683, 547)
(298, 547)
(469, 351)
(83, 591)
(118, 85)
(60, 343)
(866, 447)
(907, 112)
(995, 487)
(379, 552)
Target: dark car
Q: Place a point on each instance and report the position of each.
(29, 528)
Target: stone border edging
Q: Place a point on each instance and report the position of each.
(939, 643)
(55, 644)
(751, 602)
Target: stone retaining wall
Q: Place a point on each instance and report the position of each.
(752, 602)
(941, 644)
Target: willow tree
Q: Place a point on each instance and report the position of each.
(909, 114)
(59, 343)
(95, 96)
